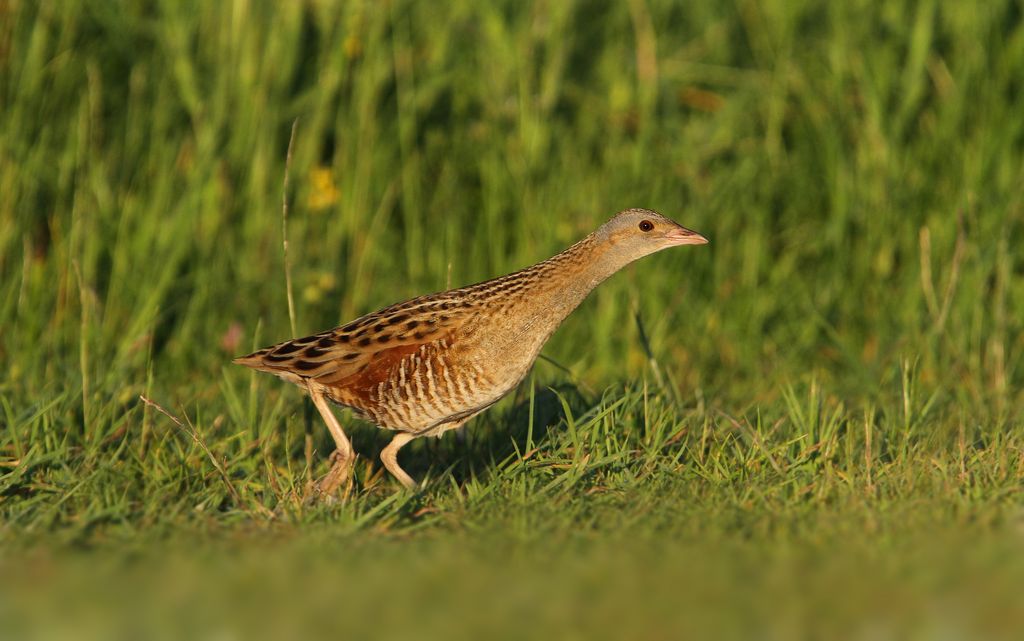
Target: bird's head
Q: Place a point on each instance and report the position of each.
(635, 233)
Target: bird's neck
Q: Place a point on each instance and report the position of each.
(530, 304)
(563, 281)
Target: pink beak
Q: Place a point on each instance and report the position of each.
(683, 236)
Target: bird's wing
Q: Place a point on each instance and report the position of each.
(367, 343)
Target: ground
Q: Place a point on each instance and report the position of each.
(811, 427)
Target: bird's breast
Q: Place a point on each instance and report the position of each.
(431, 384)
(417, 387)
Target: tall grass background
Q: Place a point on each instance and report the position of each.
(840, 369)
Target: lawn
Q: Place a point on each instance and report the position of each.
(811, 427)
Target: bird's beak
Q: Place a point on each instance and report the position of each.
(683, 236)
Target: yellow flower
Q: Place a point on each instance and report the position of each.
(353, 47)
(319, 285)
(323, 192)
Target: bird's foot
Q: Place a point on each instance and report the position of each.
(339, 474)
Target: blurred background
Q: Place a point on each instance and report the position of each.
(844, 358)
(857, 167)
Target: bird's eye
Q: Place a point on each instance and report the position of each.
(646, 225)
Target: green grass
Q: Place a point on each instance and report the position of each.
(824, 402)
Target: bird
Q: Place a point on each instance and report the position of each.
(427, 365)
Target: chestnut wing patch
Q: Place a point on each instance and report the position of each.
(376, 369)
(364, 351)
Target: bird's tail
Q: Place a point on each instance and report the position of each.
(254, 360)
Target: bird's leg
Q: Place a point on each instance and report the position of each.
(390, 458)
(342, 457)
